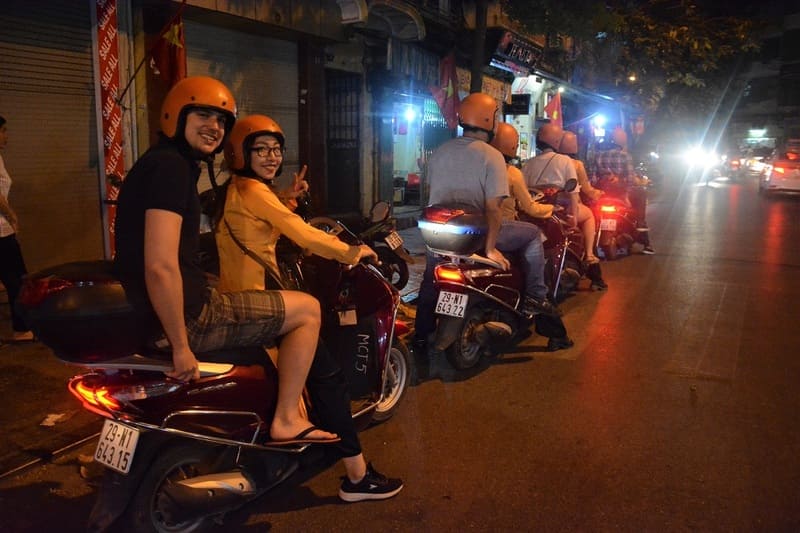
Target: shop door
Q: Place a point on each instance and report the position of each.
(262, 74)
(47, 97)
(343, 99)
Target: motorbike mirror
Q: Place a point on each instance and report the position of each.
(379, 211)
(571, 184)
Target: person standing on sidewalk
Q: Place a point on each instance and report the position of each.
(12, 266)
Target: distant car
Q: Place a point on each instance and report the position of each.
(782, 174)
(755, 163)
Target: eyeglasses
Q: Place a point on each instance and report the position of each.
(264, 151)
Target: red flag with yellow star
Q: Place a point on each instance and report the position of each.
(446, 94)
(169, 54)
(553, 110)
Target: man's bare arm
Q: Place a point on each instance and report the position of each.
(165, 286)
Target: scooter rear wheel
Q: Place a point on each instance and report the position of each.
(146, 511)
(466, 351)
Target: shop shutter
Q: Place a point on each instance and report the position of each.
(47, 97)
(260, 71)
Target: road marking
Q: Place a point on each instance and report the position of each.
(711, 336)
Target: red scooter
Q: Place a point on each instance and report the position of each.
(181, 455)
(616, 221)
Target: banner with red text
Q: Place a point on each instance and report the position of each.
(111, 114)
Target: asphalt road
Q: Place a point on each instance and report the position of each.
(674, 411)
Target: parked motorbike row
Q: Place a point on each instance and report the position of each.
(180, 455)
(479, 304)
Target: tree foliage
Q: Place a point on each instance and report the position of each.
(641, 52)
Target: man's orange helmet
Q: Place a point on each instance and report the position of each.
(478, 110)
(237, 149)
(506, 139)
(550, 134)
(196, 91)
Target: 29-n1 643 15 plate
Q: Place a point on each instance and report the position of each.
(116, 446)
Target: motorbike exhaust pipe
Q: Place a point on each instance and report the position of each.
(205, 496)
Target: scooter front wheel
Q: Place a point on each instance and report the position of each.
(400, 372)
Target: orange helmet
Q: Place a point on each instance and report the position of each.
(506, 139)
(569, 144)
(195, 91)
(619, 137)
(550, 135)
(237, 149)
(478, 110)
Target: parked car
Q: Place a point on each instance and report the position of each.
(782, 174)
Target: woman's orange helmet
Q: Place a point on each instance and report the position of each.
(196, 91)
(237, 149)
(506, 140)
(569, 144)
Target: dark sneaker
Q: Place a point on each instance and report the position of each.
(533, 306)
(374, 486)
(648, 250)
(558, 343)
(598, 285)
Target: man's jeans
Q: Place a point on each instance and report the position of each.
(517, 237)
(525, 240)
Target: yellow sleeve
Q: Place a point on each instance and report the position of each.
(516, 184)
(266, 206)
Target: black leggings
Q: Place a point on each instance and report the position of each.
(331, 400)
(12, 268)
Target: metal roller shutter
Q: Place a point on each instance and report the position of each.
(261, 72)
(47, 96)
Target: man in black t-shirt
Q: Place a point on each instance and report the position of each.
(157, 228)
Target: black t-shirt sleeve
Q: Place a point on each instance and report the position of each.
(167, 184)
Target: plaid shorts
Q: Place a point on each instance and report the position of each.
(245, 318)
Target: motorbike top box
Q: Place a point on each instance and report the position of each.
(80, 310)
(454, 228)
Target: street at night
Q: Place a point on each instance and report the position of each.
(674, 411)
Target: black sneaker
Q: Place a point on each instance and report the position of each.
(598, 285)
(374, 486)
(648, 250)
(559, 343)
(532, 306)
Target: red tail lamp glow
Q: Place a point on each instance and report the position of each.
(441, 215)
(445, 273)
(608, 208)
(98, 397)
(779, 170)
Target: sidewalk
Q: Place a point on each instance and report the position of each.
(412, 240)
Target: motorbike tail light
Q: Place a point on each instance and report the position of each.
(779, 170)
(441, 215)
(34, 292)
(608, 209)
(101, 397)
(98, 397)
(448, 273)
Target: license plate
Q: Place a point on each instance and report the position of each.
(608, 224)
(394, 240)
(116, 446)
(451, 303)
